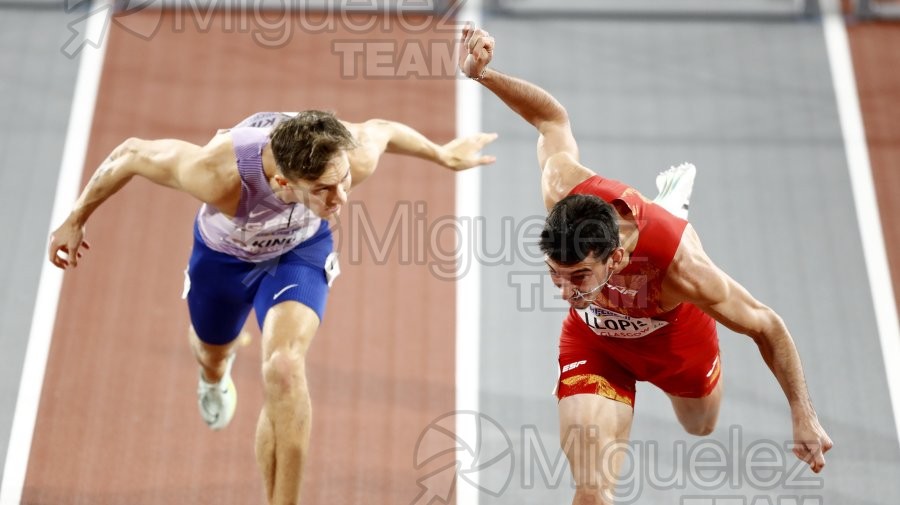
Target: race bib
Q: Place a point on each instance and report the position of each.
(607, 323)
(273, 236)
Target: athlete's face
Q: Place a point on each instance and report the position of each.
(326, 195)
(580, 284)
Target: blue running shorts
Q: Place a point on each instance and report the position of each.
(221, 289)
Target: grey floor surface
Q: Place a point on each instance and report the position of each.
(752, 105)
(36, 87)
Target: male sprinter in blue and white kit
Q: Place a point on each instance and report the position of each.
(261, 240)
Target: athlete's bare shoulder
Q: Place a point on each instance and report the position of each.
(214, 167)
(690, 270)
(559, 176)
(370, 143)
(217, 157)
(220, 143)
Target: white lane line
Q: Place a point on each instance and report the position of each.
(468, 283)
(44, 317)
(864, 197)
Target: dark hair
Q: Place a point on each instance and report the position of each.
(578, 226)
(304, 144)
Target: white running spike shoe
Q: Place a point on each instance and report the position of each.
(675, 186)
(217, 402)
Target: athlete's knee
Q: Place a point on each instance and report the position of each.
(594, 458)
(595, 475)
(699, 428)
(699, 431)
(592, 495)
(698, 416)
(207, 353)
(284, 372)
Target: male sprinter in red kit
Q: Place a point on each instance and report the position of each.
(261, 241)
(644, 300)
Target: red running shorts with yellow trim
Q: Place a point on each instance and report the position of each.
(681, 358)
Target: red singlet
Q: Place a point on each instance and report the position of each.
(625, 336)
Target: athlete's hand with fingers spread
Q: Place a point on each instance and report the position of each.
(475, 51)
(811, 442)
(462, 153)
(67, 240)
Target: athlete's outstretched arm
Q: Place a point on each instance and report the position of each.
(697, 280)
(557, 150)
(172, 163)
(528, 100)
(377, 136)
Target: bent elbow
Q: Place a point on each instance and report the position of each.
(774, 324)
(559, 119)
(122, 161)
(128, 147)
(562, 113)
(770, 326)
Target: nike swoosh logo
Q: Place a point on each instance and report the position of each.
(283, 290)
(254, 215)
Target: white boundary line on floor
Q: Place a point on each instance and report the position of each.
(468, 283)
(864, 197)
(44, 317)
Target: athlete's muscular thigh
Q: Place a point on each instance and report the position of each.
(591, 428)
(288, 327)
(698, 416)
